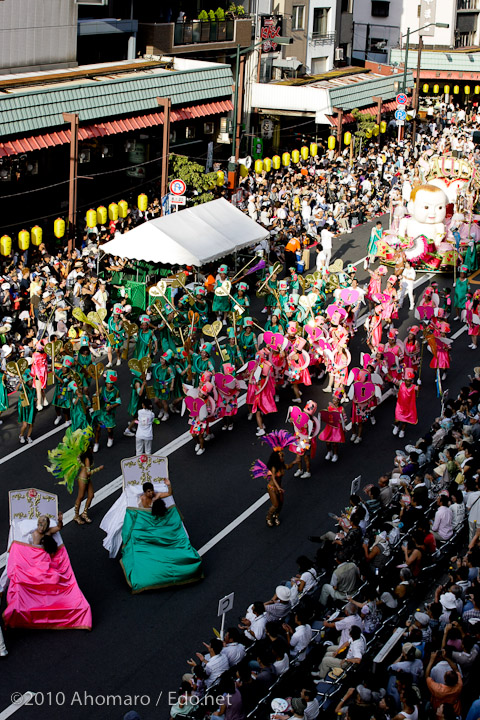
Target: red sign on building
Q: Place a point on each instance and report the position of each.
(271, 28)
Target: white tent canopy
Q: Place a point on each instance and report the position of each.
(190, 237)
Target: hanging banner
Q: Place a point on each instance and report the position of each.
(209, 163)
(428, 11)
(270, 28)
(166, 205)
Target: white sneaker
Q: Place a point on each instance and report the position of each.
(29, 440)
(230, 427)
(118, 363)
(277, 398)
(444, 376)
(395, 430)
(96, 447)
(372, 420)
(353, 437)
(264, 310)
(45, 402)
(161, 414)
(165, 417)
(305, 475)
(210, 436)
(200, 451)
(328, 455)
(22, 439)
(148, 376)
(260, 432)
(109, 442)
(327, 389)
(1, 422)
(108, 365)
(249, 416)
(401, 434)
(39, 407)
(297, 400)
(358, 440)
(197, 447)
(297, 473)
(57, 420)
(344, 399)
(224, 427)
(128, 432)
(335, 458)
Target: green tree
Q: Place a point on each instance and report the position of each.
(194, 176)
(364, 122)
(220, 14)
(211, 16)
(203, 16)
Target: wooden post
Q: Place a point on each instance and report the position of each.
(339, 112)
(379, 102)
(166, 104)
(72, 118)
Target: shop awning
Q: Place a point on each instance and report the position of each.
(193, 236)
(111, 127)
(372, 110)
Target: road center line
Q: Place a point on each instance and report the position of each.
(21, 701)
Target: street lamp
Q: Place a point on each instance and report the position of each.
(407, 35)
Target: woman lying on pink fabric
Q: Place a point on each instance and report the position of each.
(43, 592)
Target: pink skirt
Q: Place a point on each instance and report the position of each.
(442, 360)
(265, 401)
(332, 434)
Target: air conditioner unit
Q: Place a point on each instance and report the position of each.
(190, 131)
(208, 128)
(223, 138)
(226, 125)
(339, 53)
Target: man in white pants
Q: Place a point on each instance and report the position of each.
(406, 285)
(326, 238)
(144, 435)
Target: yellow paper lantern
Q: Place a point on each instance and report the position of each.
(267, 164)
(37, 234)
(243, 170)
(286, 159)
(101, 215)
(456, 89)
(425, 88)
(368, 133)
(347, 138)
(376, 129)
(295, 156)
(331, 142)
(276, 162)
(91, 218)
(113, 211)
(446, 89)
(436, 89)
(313, 149)
(477, 90)
(466, 89)
(383, 127)
(23, 240)
(220, 178)
(122, 209)
(5, 245)
(258, 166)
(59, 227)
(304, 152)
(142, 202)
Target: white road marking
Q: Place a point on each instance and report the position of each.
(37, 441)
(234, 524)
(20, 702)
(459, 332)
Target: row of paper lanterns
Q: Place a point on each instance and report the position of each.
(456, 89)
(286, 159)
(93, 217)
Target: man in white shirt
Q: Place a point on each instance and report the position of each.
(144, 434)
(300, 638)
(215, 663)
(346, 623)
(312, 711)
(356, 649)
(254, 623)
(406, 287)
(101, 296)
(473, 507)
(233, 650)
(326, 237)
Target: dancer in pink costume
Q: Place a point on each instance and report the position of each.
(406, 407)
(333, 433)
(201, 406)
(40, 374)
(390, 306)
(441, 361)
(228, 388)
(411, 349)
(298, 362)
(363, 393)
(261, 388)
(374, 328)
(307, 427)
(375, 284)
(472, 316)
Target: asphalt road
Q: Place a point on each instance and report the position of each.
(139, 644)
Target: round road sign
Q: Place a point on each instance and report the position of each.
(401, 99)
(177, 187)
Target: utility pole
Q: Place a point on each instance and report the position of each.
(379, 102)
(417, 87)
(72, 118)
(166, 104)
(339, 112)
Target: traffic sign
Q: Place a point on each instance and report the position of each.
(400, 114)
(177, 187)
(401, 99)
(178, 199)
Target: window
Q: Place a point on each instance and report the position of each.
(297, 17)
(380, 8)
(378, 45)
(320, 21)
(346, 6)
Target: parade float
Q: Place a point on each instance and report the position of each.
(438, 228)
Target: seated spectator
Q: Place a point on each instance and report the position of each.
(254, 623)
(233, 650)
(344, 623)
(442, 527)
(281, 662)
(312, 709)
(299, 638)
(215, 664)
(354, 646)
(448, 692)
(278, 607)
(343, 583)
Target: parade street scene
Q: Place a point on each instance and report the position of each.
(239, 360)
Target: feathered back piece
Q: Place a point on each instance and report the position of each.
(64, 460)
(259, 470)
(279, 439)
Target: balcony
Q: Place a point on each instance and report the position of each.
(468, 6)
(194, 36)
(322, 39)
